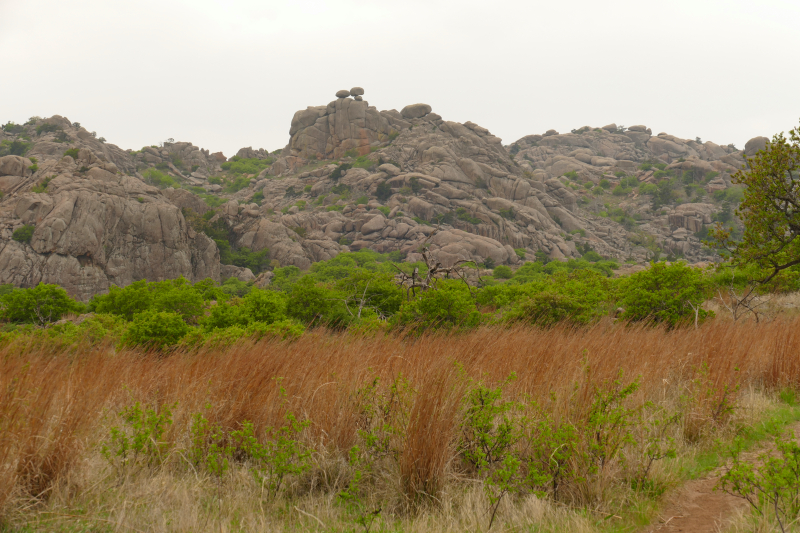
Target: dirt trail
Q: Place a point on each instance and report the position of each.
(697, 508)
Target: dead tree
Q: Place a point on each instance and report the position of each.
(749, 300)
(434, 270)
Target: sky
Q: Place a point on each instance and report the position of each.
(225, 74)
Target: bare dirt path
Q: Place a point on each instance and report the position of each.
(697, 508)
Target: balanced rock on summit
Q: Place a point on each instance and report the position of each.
(415, 111)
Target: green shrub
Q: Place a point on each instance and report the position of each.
(520, 252)
(38, 305)
(507, 213)
(362, 200)
(385, 210)
(155, 329)
(257, 306)
(47, 128)
(42, 186)
(339, 171)
(502, 272)
(619, 190)
(72, 152)
(178, 296)
(12, 128)
(415, 185)
(448, 306)
(237, 184)
(314, 304)
(159, 179)
(663, 293)
(384, 191)
(592, 256)
(463, 214)
(23, 234)
(364, 162)
(648, 188)
(215, 180)
(246, 166)
(14, 148)
(605, 184)
(572, 174)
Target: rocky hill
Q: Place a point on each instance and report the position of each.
(86, 214)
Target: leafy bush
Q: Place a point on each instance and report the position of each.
(580, 297)
(14, 148)
(23, 234)
(237, 184)
(507, 213)
(177, 296)
(313, 304)
(465, 215)
(38, 305)
(12, 128)
(384, 191)
(257, 262)
(771, 483)
(648, 188)
(364, 162)
(42, 186)
(669, 294)
(72, 152)
(47, 128)
(155, 329)
(605, 184)
(257, 306)
(520, 252)
(246, 166)
(502, 272)
(339, 171)
(449, 306)
(159, 179)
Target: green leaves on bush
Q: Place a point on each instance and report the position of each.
(159, 179)
(384, 191)
(23, 234)
(155, 329)
(38, 305)
(238, 166)
(14, 147)
(449, 306)
(668, 294)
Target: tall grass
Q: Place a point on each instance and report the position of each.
(56, 405)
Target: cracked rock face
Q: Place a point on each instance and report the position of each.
(94, 228)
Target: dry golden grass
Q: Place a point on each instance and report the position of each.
(55, 408)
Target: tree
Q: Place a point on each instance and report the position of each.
(770, 208)
(669, 294)
(38, 305)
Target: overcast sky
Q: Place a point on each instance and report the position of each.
(225, 74)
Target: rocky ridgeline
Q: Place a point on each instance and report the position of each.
(402, 174)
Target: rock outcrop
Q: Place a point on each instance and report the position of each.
(95, 226)
(352, 177)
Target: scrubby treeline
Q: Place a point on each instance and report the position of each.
(361, 291)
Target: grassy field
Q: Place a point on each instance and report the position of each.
(524, 429)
